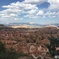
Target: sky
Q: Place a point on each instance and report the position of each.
(29, 11)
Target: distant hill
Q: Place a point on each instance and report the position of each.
(56, 25)
(2, 26)
(28, 25)
(25, 25)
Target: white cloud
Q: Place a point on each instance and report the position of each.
(29, 9)
(54, 4)
(40, 12)
(20, 5)
(35, 1)
(50, 13)
(53, 16)
(7, 14)
(31, 22)
(18, 19)
(31, 16)
(13, 14)
(58, 13)
(17, 8)
(33, 11)
(53, 1)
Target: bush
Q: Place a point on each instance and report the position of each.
(2, 47)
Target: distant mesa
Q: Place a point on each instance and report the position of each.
(54, 26)
(28, 25)
(23, 26)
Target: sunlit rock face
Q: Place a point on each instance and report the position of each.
(20, 26)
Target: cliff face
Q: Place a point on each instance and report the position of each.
(31, 41)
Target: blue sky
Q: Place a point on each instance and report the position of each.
(29, 11)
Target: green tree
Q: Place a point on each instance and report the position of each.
(2, 47)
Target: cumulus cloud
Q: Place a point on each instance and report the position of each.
(32, 11)
(15, 9)
(31, 16)
(35, 1)
(50, 13)
(31, 22)
(29, 9)
(40, 12)
(20, 5)
(54, 4)
(18, 19)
